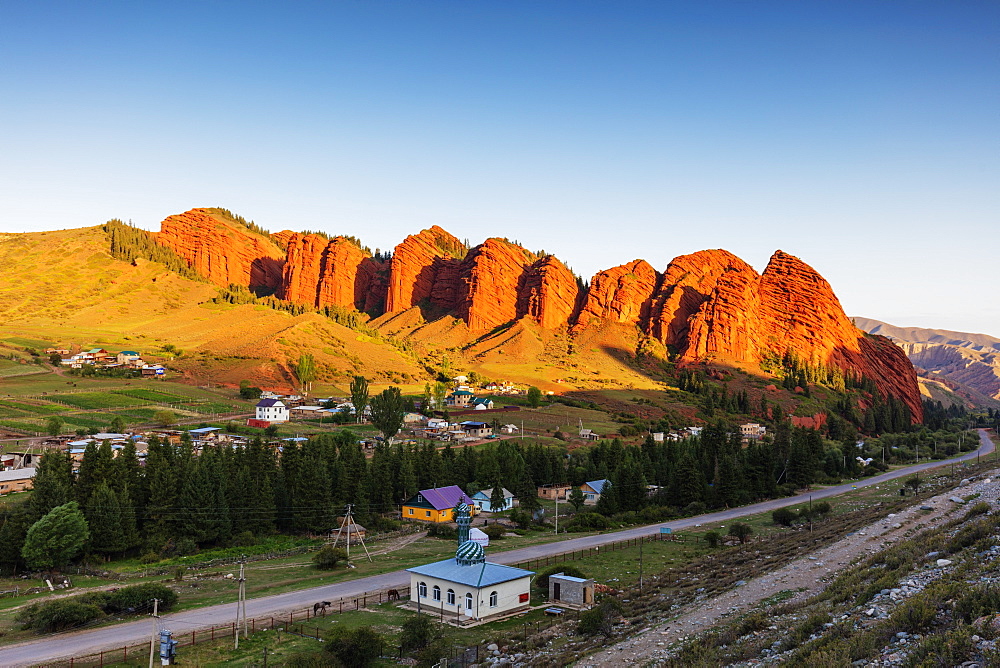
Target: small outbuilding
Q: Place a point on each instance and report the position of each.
(571, 592)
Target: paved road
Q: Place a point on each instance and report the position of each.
(86, 642)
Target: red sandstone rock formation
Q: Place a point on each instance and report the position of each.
(425, 271)
(790, 308)
(549, 293)
(489, 280)
(328, 272)
(707, 306)
(620, 294)
(222, 250)
(687, 283)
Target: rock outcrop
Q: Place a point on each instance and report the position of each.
(789, 309)
(687, 284)
(223, 250)
(490, 281)
(708, 306)
(549, 293)
(622, 294)
(329, 272)
(424, 271)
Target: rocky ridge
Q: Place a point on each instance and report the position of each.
(708, 306)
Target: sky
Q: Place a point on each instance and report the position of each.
(862, 137)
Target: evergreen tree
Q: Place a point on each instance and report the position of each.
(106, 522)
(52, 485)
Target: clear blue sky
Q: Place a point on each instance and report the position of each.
(863, 137)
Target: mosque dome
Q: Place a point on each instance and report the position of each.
(470, 552)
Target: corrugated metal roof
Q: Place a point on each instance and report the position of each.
(485, 574)
(17, 474)
(597, 485)
(442, 498)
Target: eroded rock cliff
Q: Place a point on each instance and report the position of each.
(223, 250)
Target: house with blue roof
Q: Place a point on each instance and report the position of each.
(592, 490)
(468, 588)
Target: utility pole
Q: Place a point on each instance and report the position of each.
(557, 513)
(152, 637)
(241, 604)
(810, 513)
(349, 522)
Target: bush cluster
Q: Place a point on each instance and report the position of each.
(67, 613)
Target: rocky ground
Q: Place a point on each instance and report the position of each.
(805, 577)
(889, 593)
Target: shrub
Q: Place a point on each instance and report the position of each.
(495, 531)
(356, 648)
(150, 557)
(741, 532)
(694, 508)
(599, 619)
(521, 518)
(329, 556)
(914, 615)
(244, 539)
(588, 521)
(417, 633)
(823, 509)
(713, 538)
(442, 531)
(58, 615)
(135, 598)
(783, 516)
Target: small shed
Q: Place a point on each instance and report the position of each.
(571, 592)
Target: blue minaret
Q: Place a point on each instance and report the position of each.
(464, 520)
(469, 552)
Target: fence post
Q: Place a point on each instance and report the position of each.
(192, 637)
(101, 660)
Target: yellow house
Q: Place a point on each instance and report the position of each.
(435, 505)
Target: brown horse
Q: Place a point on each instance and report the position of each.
(393, 594)
(321, 606)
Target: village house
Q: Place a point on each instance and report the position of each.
(434, 505)
(271, 410)
(555, 491)
(752, 431)
(476, 429)
(482, 500)
(459, 398)
(15, 480)
(467, 587)
(129, 357)
(482, 404)
(588, 435)
(592, 491)
(509, 429)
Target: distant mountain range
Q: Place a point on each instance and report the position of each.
(970, 363)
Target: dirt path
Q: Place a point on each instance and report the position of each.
(806, 576)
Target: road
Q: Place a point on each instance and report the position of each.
(82, 643)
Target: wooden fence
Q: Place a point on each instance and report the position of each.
(296, 622)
